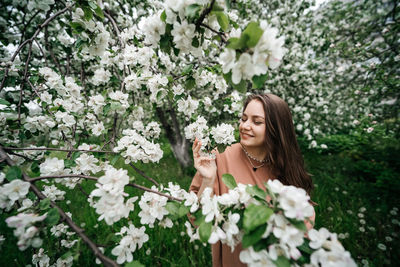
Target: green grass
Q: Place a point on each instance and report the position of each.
(338, 195)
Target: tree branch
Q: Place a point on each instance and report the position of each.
(204, 14)
(96, 251)
(143, 174)
(57, 149)
(30, 40)
(32, 180)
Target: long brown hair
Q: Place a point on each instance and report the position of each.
(283, 151)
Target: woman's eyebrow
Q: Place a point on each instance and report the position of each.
(254, 116)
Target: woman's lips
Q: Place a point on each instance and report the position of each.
(245, 135)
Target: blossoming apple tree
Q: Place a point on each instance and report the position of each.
(102, 80)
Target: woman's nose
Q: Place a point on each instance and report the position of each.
(246, 125)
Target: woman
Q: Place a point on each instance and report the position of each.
(268, 149)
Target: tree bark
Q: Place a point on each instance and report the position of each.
(180, 146)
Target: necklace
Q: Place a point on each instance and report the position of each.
(249, 157)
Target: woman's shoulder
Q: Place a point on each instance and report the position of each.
(231, 150)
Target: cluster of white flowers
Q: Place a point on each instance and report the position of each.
(295, 206)
(39, 4)
(11, 192)
(86, 164)
(236, 103)
(223, 134)
(199, 130)
(329, 251)
(152, 28)
(53, 193)
(39, 123)
(101, 76)
(188, 106)
(293, 200)
(110, 191)
(52, 166)
(96, 103)
(101, 39)
(133, 238)
(25, 230)
(183, 31)
(36, 154)
(121, 101)
(133, 56)
(225, 228)
(266, 54)
(40, 259)
(153, 208)
(138, 148)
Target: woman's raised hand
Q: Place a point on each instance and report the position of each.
(206, 166)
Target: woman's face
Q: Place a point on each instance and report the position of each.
(252, 125)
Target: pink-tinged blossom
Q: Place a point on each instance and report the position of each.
(243, 69)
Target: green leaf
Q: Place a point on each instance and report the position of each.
(254, 32)
(199, 217)
(4, 102)
(254, 236)
(52, 217)
(223, 20)
(99, 12)
(190, 83)
(44, 204)
(116, 106)
(163, 16)
(77, 27)
(92, 4)
(237, 43)
(255, 191)
(88, 13)
(255, 216)
(229, 180)
(68, 163)
(106, 109)
(217, 8)
(173, 208)
(14, 172)
(183, 210)
(187, 69)
(282, 261)
(66, 255)
(195, 42)
(114, 159)
(134, 264)
(305, 247)
(205, 231)
(35, 167)
(241, 87)
(75, 155)
(192, 10)
(259, 81)
(165, 43)
(298, 224)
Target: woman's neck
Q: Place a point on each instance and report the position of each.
(256, 152)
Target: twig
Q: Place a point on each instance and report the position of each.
(58, 149)
(19, 155)
(30, 40)
(83, 191)
(32, 180)
(204, 14)
(118, 33)
(221, 34)
(96, 251)
(143, 174)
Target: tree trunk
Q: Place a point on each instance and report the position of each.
(179, 144)
(181, 153)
